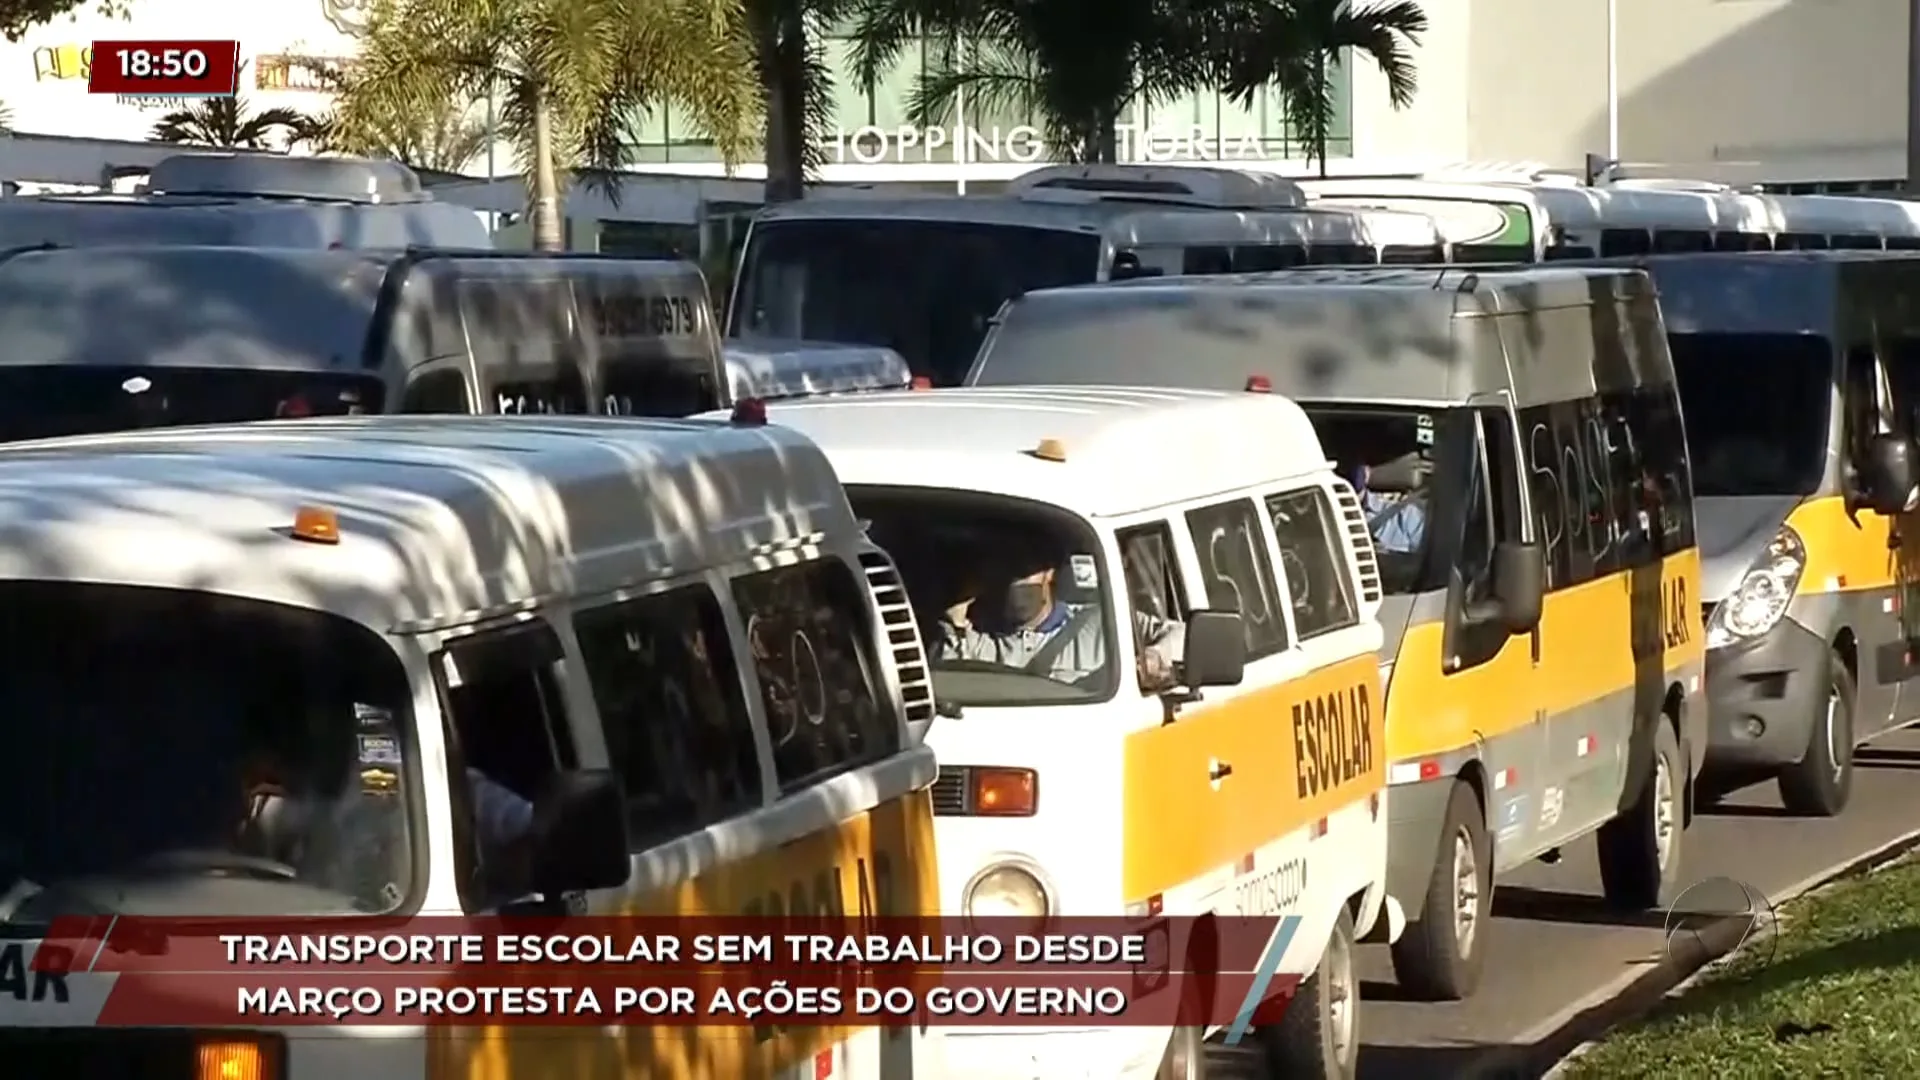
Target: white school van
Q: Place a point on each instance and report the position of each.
(252, 667)
(1064, 552)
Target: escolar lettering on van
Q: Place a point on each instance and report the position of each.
(644, 316)
(19, 980)
(1672, 610)
(1332, 739)
(1676, 615)
(822, 894)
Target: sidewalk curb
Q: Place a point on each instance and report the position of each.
(1542, 1052)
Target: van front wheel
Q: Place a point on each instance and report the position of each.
(1821, 784)
(1640, 848)
(1438, 956)
(1319, 1035)
(1186, 1057)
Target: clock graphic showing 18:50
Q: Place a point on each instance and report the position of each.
(165, 68)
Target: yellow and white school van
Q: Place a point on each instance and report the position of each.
(286, 669)
(1516, 440)
(1149, 622)
(1801, 395)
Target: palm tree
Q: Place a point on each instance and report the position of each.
(1296, 45)
(445, 139)
(797, 86)
(570, 75)
(1074, 65)
(225, 122)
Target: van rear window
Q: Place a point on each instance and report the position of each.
(42, 402)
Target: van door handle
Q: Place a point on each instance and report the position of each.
(1219, 770)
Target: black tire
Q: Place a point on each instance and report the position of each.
(1431, 961)
(1821, 784)
(1636, 872)
(1319, 1036)
(1186, 1057)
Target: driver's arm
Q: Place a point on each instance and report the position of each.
(504, 824)
(960, 639)
(1162, 642)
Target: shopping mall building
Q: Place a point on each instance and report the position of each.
(1774, 91)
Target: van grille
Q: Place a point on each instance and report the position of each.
(950, 792)
(903, 635)
(1361, 541)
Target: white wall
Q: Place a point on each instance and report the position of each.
(1736, 89)
(1435, 126)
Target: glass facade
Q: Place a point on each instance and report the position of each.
(869, 122)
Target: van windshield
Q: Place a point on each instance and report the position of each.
(1386, 453)
(189, 754)
(1008, 594)
(1755, 408)
(43, 402)
(926, 289)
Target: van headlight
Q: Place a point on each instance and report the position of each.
(1763, 594)
(1006, 890)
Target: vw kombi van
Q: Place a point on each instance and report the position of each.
(265, 663)
(1149, 623)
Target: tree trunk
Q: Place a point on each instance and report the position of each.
(1320, 107)
(1106, 149)
(783, 66)
(547, 232)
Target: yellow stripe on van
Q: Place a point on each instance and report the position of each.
(1298, 750)
(1586, 654)
(1842, 556)
(881, 861)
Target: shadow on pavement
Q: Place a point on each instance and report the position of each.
(1743, 810)
(1874, 757)
(1436, 1063)
(1384, 990)
(1581, 909)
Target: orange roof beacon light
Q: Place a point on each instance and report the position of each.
(1051, 450)
(316, 525)
(922, 382)
(1259, 384)
(749, 412)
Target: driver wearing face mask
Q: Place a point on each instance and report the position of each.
(1025, 625)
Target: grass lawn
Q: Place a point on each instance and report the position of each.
(1840, 997)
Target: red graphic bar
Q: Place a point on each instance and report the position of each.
(157, 68)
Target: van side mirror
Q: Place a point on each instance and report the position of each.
(1519, 585)
(1215, 650)
(1889, 475)
(579, 836)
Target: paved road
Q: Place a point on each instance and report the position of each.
(1553, 945)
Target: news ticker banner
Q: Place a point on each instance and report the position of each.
(126, 971)
(165, 68)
